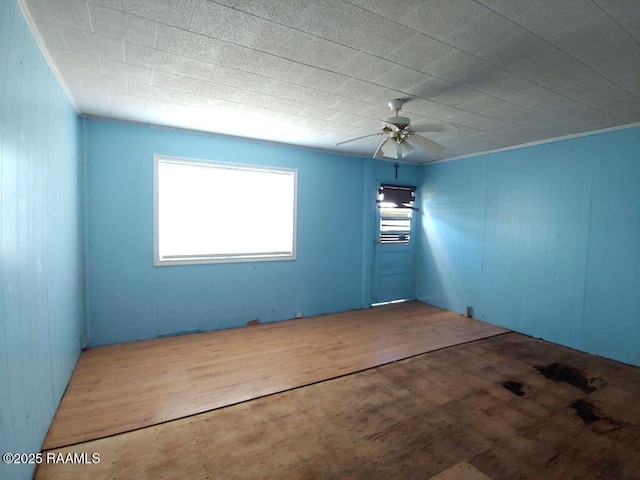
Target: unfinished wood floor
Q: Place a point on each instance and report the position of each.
(566, 415)
(125, 387)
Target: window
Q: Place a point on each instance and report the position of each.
(209, 212)
(396, 210)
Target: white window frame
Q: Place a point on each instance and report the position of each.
(217, 257)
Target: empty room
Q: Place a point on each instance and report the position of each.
(333, 239)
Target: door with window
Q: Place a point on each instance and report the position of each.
(393, 263)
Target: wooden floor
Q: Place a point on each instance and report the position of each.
(125, 387)
(565, 415)
(461, 471)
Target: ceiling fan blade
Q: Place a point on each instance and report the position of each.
(435, 127)
(379, 153)
(357, 138)
(427, 144)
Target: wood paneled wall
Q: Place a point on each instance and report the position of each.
(40, 277)
(543, 240)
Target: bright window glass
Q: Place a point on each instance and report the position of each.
(210, 212)
(395, 204)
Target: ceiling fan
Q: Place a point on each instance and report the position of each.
(399, 131)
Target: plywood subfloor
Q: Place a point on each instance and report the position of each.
(124, 387)
(410, 419)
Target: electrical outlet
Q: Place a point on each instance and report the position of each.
(298, 314)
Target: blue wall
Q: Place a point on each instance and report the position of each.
(40, 284)
(130, 299)
(544, 240)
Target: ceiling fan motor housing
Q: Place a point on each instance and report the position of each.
(400, 122)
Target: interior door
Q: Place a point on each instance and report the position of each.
(393, 263)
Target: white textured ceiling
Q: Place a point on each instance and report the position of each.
(314, 73)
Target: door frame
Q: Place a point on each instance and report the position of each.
(376, 243)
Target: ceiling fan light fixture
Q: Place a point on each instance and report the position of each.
(389, 149)
(406, 148)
